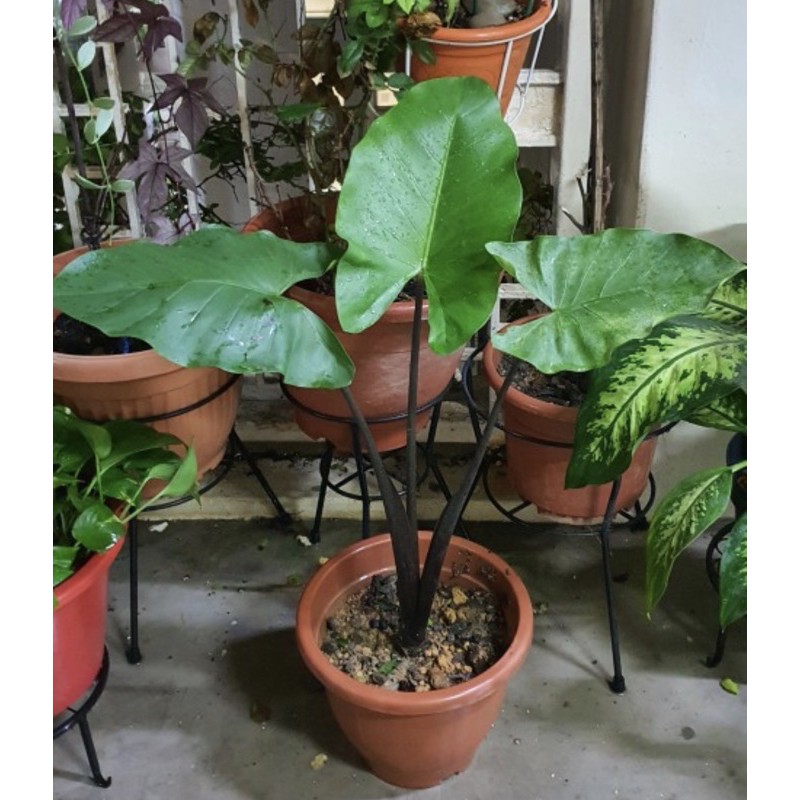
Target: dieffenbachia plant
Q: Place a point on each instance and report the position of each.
(429, 184)
(660, 321)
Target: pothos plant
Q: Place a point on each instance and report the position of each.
(100, 473)
(412, 214)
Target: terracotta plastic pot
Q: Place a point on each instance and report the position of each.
(414, 739)
(537, 471)
(381, 355)
(79, 628)
(141, 385)
(495, 54)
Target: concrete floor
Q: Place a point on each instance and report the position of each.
(222, 707)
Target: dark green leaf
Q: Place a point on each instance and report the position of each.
(350, 57)
(296, 112)
(605, 289)
(413, 203)
(214, 298)
(97, 528)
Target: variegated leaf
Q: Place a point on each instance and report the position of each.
(729, 413)
(685, 364)
(689, 509)
(729, 302)
(604, 290)
(733, 575)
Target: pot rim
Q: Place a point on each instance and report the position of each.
(517, 398)
(84, 576)
(106, 369)
(496, 34)
(415, 703)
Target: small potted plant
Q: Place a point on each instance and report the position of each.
(103, 377)
(487, 39)
(100, 473)
(412, 206)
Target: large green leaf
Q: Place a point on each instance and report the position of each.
(97, 527)
(689, 509)
(211, 299)
(733, 574)
(683, 365)
(430, 183)
(605, 289)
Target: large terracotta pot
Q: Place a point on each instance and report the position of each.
(414, 739)
(381, 355)
(79, 628)
(537, 471)
(142, 385)
(495, 54)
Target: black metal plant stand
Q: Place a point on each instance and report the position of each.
(635, 522)
(236, 449)
(363, 463)
(79, 716)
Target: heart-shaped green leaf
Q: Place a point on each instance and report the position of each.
(430, 183)
(605, 289)
(214, 298)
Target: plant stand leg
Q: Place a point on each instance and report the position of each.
(324, 473)
(79, 717)
(284, 519)
(362, 480)
(132, 653)
(91, 754)
(617, 683)
(714, 659)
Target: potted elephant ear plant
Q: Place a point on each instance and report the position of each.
(100, 473)
(413, 216)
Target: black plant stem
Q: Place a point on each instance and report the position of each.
(447, 522)
(90, 232)
(411, 429)
(406, 556)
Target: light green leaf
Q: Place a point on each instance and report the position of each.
(733, 574)
(414, 204)
(103, 121)
(86, 53)
(106, 103)
(85, 183)
(605, 289)
(214, 298)
(81, 27)
(683, 365)
(90, 132)
(729, 685)
(684, 514)
(122, 185)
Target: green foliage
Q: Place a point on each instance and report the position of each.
(660, 322)
(431, 169)
(100, 471)
(215, 297)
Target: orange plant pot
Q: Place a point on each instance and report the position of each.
(537, 471)
(495, 54)
(143, 385)
(414, 739)
(79, 628)
(381, 355)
